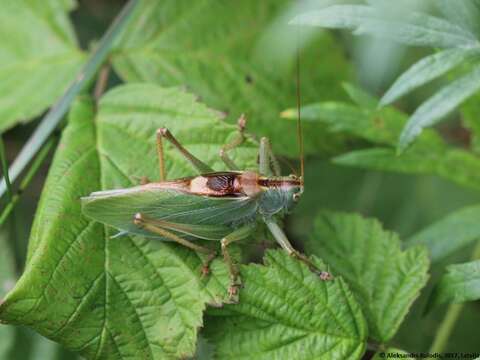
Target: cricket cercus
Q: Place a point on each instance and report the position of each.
(221, 206)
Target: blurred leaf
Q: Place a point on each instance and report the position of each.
(440, 104)
(7, 280)
(449, 234)
(360, 97)
(287, 312)
(429, 155)
(418, 29)
(470, 111)
(458, 166)
(425, 70)
(381, 126)
(217, 49)
(461, 283)
(463, 13)
(38, 57)
(385, 279)
(125, 297)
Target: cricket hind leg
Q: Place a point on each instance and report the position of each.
(235, 281)
(150, 225)
(267, 162)
(162, 133)
(237, 141)
(282, 240)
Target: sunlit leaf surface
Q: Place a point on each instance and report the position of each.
(287, 312)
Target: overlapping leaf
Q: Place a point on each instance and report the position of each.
(218, 50)
(461, 283)
(417, 29)
(425, 70)
(385, 279)
(287, 312)
(429, 155)
(458, 33)
(439, 105)
(124, 297)
(451, 233)
(38, 57)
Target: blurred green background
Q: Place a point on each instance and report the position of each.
(403, 203)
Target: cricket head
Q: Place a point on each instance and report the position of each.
(280, 193)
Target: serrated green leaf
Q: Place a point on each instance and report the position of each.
(439, 105)
(287, 312)
(456, 230)
(38, 57)
(418, 29)
(360, 96)
(461, 283)
(218, 50)
(425, 70)
(458, 166)
(125, 297)
(463, 13)
(385, 279)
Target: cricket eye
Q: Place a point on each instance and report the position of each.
(296, 197)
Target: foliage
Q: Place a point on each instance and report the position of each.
(28, 61)
(456, 34)
(194, 68)
(385, 280)
(285, 312)
(461, 283)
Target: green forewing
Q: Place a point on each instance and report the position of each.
(199, 216)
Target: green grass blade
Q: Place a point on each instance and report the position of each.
(57, 112)
(3, 158)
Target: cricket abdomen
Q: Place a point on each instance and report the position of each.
(225, 184)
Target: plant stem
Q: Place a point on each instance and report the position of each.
(102, 82)
(451, 316)
(446, 328)
(57, 111)
(3, 157)
(42, 155)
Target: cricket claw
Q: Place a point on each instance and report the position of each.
(138, 219)
(325, 276)
(233, 292)
(205, 271)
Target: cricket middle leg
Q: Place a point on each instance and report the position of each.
(267, 162)
(235, 283)
(281, 238)
(237, 141)
(150, 225)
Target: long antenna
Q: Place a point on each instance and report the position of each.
(299, 118)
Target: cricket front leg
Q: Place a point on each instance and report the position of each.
(153, 226)
(282, 240)
(235, 281)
